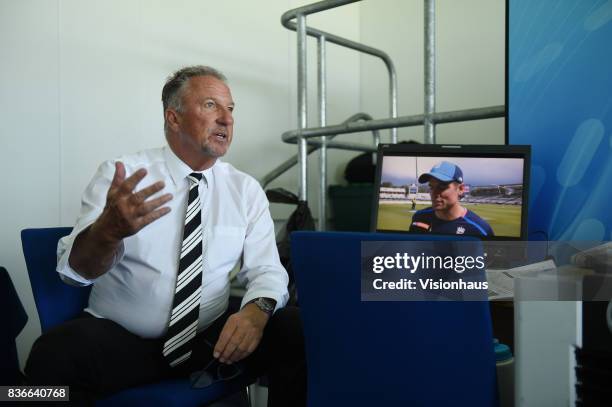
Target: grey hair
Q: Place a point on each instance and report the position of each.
(172, 93)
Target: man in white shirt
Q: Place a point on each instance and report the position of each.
(128, 242)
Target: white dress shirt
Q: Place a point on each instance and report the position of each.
(138, 290)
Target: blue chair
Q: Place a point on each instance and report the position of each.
(57, 302)
(385, 353)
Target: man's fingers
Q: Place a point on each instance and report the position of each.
(253, 345)
(248, 345)
(130, 183)
(224, 338)
(119, 176)
(149, 206)
(144, 193)
(152, 216)
(241, 351)
(235, 356)
(231, 343)
(230, 349)
(235, 347)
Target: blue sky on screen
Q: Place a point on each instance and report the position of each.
(476, 171)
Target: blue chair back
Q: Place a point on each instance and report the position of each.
(55, 300)
(385, 353)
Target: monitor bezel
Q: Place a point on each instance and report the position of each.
(455, 150)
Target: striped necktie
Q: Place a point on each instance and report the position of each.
(186, 304)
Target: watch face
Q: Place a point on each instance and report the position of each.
(264, 304)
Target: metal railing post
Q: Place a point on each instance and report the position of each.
(393, 100)
(430, 71)
(322, 88)
(302, 107)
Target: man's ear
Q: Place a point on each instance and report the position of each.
(172, 119)
(461, 190)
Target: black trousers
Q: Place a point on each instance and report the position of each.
(97, 357)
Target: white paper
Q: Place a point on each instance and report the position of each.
(501, 281)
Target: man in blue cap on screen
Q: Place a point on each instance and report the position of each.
(446, 215)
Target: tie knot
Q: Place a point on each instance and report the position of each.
(195, 177)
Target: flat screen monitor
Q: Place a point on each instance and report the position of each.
(471, 190)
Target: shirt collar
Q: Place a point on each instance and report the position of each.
(179, 170)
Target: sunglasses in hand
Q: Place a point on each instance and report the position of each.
(213, 372)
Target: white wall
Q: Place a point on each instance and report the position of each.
(30, 134)
(81, 83)
(470, 44)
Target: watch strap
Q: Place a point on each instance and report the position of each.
(265, 304)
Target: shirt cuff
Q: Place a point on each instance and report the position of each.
(251, 295)
(64, 248)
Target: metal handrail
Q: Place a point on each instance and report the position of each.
(291, 136)
(302, 31)
(315, 145)
(345, 42)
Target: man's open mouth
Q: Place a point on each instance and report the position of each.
(221, 135)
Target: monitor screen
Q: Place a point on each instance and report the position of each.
(475, 190)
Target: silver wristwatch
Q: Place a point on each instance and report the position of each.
(265, 304)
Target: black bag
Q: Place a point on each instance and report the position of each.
(361, 168)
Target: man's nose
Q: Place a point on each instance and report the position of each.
(225, 117)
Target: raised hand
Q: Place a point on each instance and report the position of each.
(126, 211)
